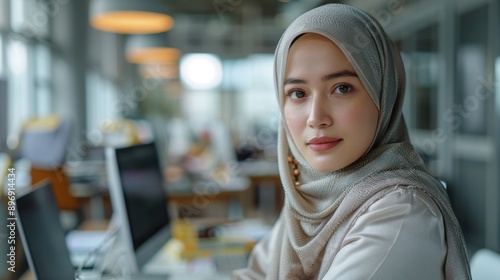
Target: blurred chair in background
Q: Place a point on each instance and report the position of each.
(44, 143)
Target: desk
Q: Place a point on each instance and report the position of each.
(226, 253)
(183, 203)
(94, 199)
(166, 262)
(199, 269)
(266, 186)
(192, 203)
(268, 192)
(162, 263)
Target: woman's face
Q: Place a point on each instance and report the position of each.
(327, 109)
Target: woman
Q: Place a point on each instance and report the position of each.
(358, 201)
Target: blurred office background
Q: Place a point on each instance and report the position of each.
(210, 81)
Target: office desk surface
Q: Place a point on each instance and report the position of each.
(96, 202)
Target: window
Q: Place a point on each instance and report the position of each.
(421, 60)
(2, 60)
(102, 105)
(20, 104)
(469, 112)
(25, 63)
(32, 17)
(43, 89)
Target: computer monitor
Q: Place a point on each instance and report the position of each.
(42, 234)
(139, 201)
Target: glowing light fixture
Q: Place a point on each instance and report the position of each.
(201, 71)
(155, 57)
(158, 71)
(150, 48)
(130, 16)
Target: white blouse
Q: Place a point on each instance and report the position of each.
(401, 236)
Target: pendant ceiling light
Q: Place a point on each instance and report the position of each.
(156, 58)
(130, 16)
(150, 48)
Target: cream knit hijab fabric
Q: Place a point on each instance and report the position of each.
(318, 213)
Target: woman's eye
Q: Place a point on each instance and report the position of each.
(343, 89)
(296, 94)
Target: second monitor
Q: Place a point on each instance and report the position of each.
(139, 201)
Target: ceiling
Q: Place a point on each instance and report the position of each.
(234, 28)
(233, 10)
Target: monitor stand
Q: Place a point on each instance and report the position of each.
(115, 262)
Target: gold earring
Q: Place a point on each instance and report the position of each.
(295, 169)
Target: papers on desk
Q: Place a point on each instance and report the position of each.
(84, 240)
(81, 242)
(227, 247)
(252, 229)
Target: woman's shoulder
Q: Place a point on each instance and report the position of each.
(407, 200)
(400, 214)
(404, 219)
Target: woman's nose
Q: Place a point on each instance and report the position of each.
(319, 113)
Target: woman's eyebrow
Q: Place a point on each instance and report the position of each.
(343, 73)
(294, 81)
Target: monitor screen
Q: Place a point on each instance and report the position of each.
(42, 234)
(139, 200)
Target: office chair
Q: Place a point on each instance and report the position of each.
(44, 142)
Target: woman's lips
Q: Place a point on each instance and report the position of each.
(321, 144)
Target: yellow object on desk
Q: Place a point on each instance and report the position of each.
(186, 233)
(228, 253)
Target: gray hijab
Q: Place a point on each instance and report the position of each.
(381, 71)
(317, 213)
